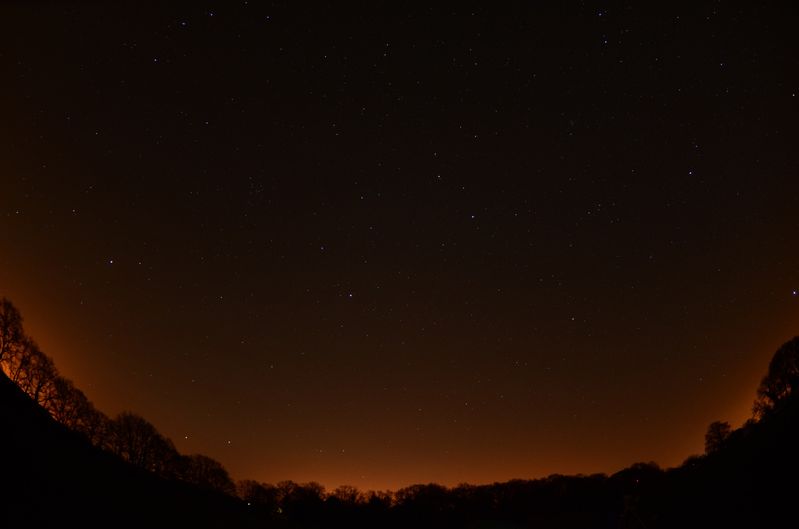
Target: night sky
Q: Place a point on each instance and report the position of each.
(398, 244)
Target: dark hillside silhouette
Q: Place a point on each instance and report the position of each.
(750, 478)
(129, 436)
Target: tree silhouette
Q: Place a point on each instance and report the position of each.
(36, 374)
(205, 472)
(782, 380)
(17, 359)
(304, 501)
(129, 436)
(70, 406)
(717, 433)
(259, 494)
(93, 424)
(68, 403)
(347, 494)
(137, 441)
(10, 328)
(379, 500)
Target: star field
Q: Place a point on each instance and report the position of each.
(429, 245)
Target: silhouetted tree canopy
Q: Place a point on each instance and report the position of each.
(68, 403)
(10, 328)
(717, 433)
(129, 436)
(137, 441)
(35, 372)
(205, 472)
(260, 495)
(347, 494)
(782, 380)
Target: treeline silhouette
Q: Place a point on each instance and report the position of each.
(747, 476)
(129, 436)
